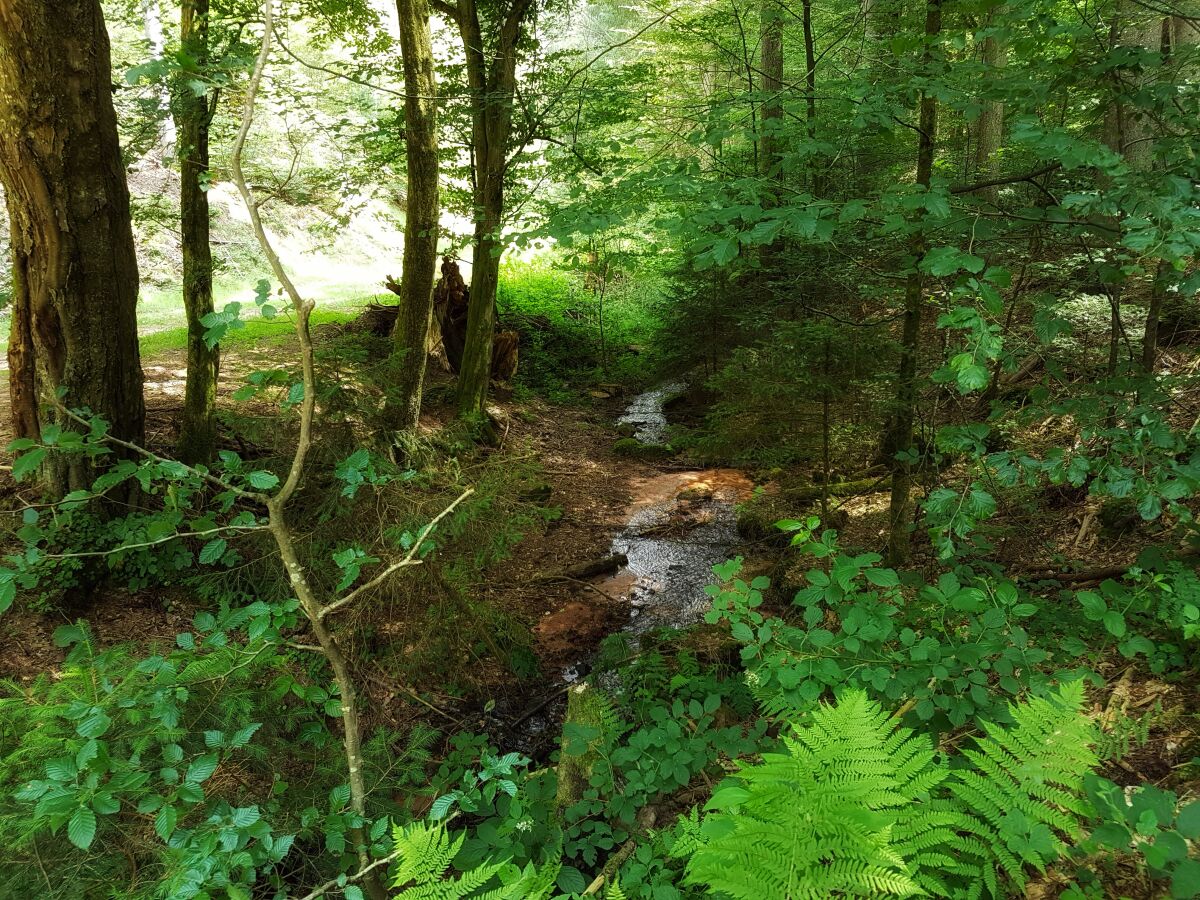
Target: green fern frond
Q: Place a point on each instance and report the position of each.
(817, 820)
(857, 806)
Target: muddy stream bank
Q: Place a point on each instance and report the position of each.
(678, 525)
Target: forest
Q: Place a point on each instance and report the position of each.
(559, 449)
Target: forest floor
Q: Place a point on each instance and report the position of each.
(598, 493)
(588, 483)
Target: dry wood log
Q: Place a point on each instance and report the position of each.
(605, 565)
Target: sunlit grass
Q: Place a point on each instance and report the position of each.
(163, 329)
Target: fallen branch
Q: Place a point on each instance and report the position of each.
(1047, 573)
(606, 565)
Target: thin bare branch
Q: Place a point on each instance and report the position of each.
(410, 559)
(339, 882)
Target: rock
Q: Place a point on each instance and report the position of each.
(1117, 516)
(696, 493)
(635, 448)
(626, 429)
(538, 493)
(599, 395)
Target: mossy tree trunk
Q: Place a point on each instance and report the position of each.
(75, 283)
(421, 218)
(492, 83)
(198, 427)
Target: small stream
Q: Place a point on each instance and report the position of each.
(678, 526)
(646, 412)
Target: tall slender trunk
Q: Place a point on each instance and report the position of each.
(989, 129)
(76, 285)
(198, 427)
(810, 88)
(900, 441)
(770, 26)
(422, 213)
(152, 28)
(1176, 33)
(492, 85)
(1127, 132)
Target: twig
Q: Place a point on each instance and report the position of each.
(409, 560)
(128, 445)
(338, 882)
(586, 584)
(162, 540)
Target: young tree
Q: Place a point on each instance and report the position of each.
(192, 114)
(422, 211)
(75, 285)
(152, 27)
(900, 440)
(492, 81)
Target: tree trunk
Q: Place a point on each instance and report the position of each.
(76, 285)
(989, 130)
(901, 438)
(422, 213)
(198, 428)
(1129, 133)
(771, 63)
(492, 86)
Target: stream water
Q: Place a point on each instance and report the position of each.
(678, 526)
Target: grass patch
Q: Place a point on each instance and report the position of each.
(163, 329)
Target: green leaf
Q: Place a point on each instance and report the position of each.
(81, 830)
(86, 754)
(1114, 622)
(213, 551)
(245, 816)
(164, 822)
(28, 463)
(943, 261)
(1188, 822)
(106, 804)
(883, 577)
(1093, 605)
(1185, 882)
(570, 880)
(66, 635)
(263, 480)
(202, 768)
(94, 724)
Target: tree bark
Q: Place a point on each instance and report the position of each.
(422, 213)
(76, 285)
(198, 428)
(901, 438)
(770, 26)
(492, 86)
(989, 129)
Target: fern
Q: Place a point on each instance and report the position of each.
(426, 852)
(857, 806)
(817, 820)
(613, 891)
(1025, 784)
